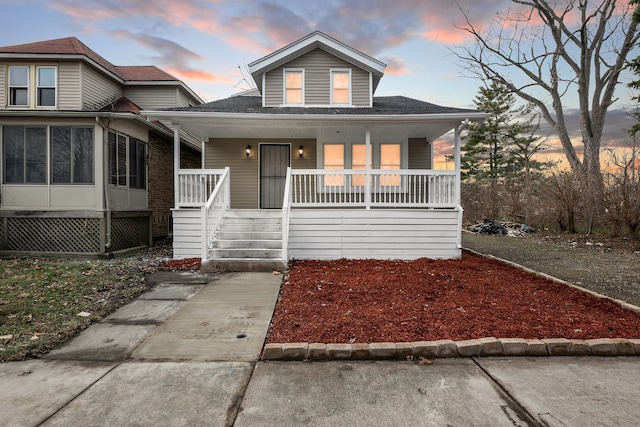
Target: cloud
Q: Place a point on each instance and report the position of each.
(206, 76)
(395, 66)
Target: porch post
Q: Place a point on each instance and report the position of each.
(367, 162)
(456, 162)
(176, 164)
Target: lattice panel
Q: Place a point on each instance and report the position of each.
(129, 232)
(54, 234)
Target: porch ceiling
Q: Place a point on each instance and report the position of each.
(217, 125)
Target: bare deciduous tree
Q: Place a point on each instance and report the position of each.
(546, 52)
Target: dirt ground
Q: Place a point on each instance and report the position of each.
(610, 266)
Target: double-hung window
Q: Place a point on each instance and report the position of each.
(334, 160)
(137, 164)
(341, 87)
(71, 155)
(46, 87)
(390, 159)
(358, 162)
(24, 154)
(293, 87)
(19, 86)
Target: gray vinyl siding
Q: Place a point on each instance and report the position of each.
(419, 153)
(230, 152)
(3, 86)
(97, 89)
(317, 86)
(69, 97)
(154, 97)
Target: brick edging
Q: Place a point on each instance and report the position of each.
(450, 348)
(467, 348)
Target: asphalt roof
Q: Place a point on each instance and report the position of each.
(73, 46)
(382, 105)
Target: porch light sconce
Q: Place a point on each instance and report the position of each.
(301, 152)
(247, 151)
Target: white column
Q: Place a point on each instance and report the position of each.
(456, 162)
(367, 162)
(176, 164)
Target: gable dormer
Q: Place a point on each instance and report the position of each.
(317, 71)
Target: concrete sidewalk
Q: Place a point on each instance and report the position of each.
(186, 354)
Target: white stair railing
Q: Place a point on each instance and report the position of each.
(195, 186)
(213, 212)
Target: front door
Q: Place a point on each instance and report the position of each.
(274, 161)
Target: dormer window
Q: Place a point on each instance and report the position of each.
(293, 87)
(19, 86)
(340, 87)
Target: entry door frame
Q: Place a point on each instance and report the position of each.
(260, 186)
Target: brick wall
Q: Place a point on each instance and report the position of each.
(161, 197)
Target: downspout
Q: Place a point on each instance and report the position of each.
(105, 183)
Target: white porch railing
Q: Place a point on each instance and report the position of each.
(213, 212)
(384, 188)
(196, 185)
(286, 210)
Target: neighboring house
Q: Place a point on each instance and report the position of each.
(310, 165)
(83, 169)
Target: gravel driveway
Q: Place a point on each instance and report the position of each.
(602, 266)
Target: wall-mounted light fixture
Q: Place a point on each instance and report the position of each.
(301, 151)
(247, 151)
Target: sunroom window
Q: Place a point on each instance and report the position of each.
(19, 86)
(71, 155)
(25, 154)
(293, 87)
(127, 162)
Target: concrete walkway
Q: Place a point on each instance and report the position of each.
(186, 354)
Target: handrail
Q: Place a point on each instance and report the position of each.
(286, 209)
(213, 212)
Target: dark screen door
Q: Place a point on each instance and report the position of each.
(274, 161)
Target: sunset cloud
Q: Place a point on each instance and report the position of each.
(199, 75)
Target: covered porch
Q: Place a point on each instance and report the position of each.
(322, 210)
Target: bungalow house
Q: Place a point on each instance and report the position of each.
(311, 165)
(83, 169)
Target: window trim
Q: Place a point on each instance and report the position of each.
(300, 71)
(332, 72)
(11, 86)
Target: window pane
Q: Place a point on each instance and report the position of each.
(334, 160)
(122, 160)
(46, 97)
(293, 87)
(47, 77)
(133, 164)
(358, 162)
(340, 87)
(13, 138)
(18, 76)
(390, 160)
(113, 159)
(82, 155)
(18, 96)
(142, 165)
(36, 155)
(61, 155)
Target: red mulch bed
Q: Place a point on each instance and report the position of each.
(395, 301)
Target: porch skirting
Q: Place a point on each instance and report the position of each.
(375, 233)
(72, 232)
